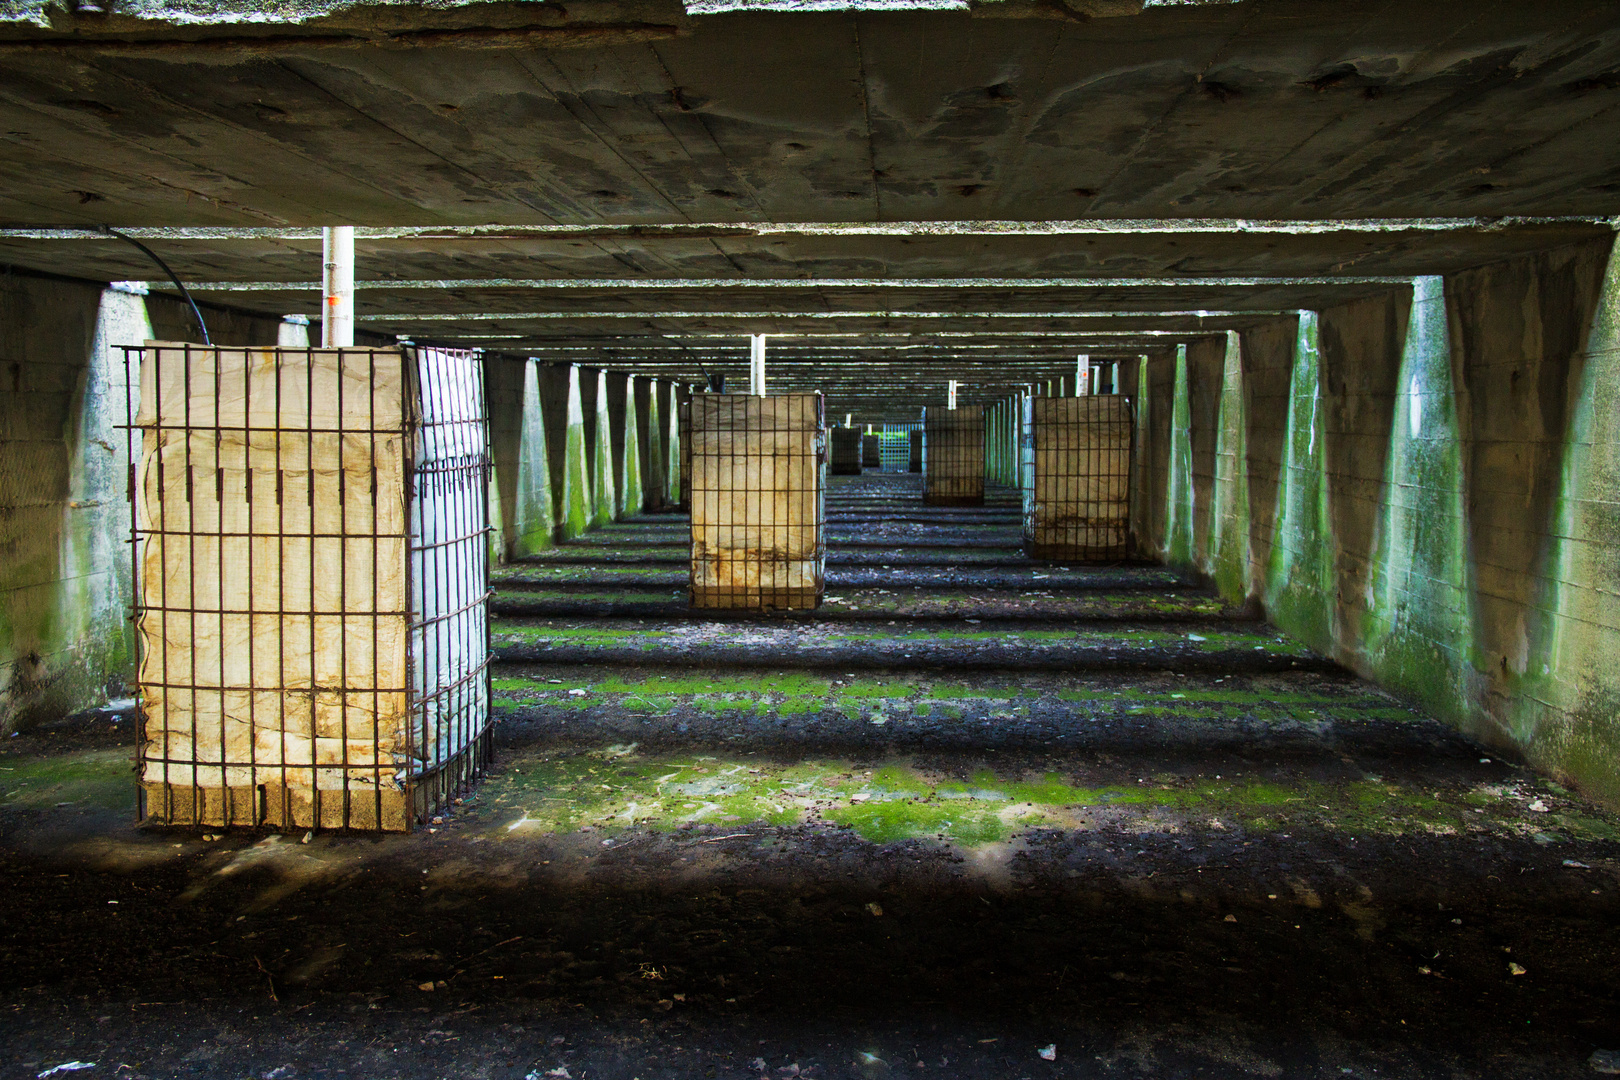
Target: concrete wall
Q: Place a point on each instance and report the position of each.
(1425, 486)
(65, 640)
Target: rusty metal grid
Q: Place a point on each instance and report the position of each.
(758, 502)
(1077, 477)
(894, 446)
(405, 554)
(953, 456)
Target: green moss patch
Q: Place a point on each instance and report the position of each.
(100, 778)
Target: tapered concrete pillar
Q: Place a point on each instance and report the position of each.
(604, 490)
(576, 498)
(522, 510)
(674, 475)
(654, 483)
(625, 431)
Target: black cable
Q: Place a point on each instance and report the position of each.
(150, 254)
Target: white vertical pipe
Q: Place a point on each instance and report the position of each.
(952, 395)
(756, 365)
(1082, 373)
(337, 286)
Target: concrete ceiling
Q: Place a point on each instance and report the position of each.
(1286, 108)
(613, 179)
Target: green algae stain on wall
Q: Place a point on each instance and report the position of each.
(630, 499)
(1179, 541)
(1568, 710)
(533, 526)
(1229, 541)
(576, 477)
(1300, 583)
(605, 501)
(1419, 623)
(672, 446)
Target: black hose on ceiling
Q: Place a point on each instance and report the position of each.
(150, 254)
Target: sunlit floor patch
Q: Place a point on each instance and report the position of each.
(618, 788)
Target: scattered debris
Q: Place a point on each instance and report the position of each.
(576, 692)
(1515, 968)
(1048, 1052)
(308, 837)
(1539, 806)
(66, 1066)
(1577, 864)
(1606, 1062)
(1230, 918)
(875, 909)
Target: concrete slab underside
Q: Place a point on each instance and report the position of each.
(1237, 110)
(974, 806)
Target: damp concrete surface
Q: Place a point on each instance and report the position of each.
(1134, 842)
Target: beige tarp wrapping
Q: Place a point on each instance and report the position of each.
(953, 455)
(756, 499)
(1078, 502)
(273, 566)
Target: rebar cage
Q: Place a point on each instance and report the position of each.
(953, 456)
(311, 583)
(844, 455)
(894, 446)
(1076, 477)
(758, 501)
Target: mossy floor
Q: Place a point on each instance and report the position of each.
(972, 809)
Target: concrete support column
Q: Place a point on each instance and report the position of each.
(674, 477)
(577, 494)
(337, 286)
(604, 473)
(627, 473)
(654, 480)
(521, 504)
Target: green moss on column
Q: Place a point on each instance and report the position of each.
(1568, 715)
(1179, 542)
(656, 483)
(672, 446)
(1419, 626)
(1142, 451)
(630, 498)
(577, 500)
(533, 524)
(1229, 529)
(604, 502)
(1299, 575)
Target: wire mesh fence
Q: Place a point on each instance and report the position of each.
(844, 451)
(953, 456)
(758, 501)
(311, 581)
(894, 447)
(1077, 455)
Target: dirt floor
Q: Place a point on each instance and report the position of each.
(975, 817)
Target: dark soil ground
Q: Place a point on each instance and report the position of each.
(973, 809)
